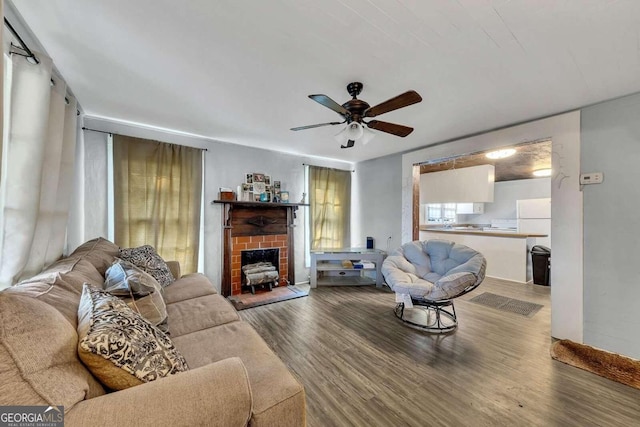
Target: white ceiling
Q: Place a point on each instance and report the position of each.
(240, 71)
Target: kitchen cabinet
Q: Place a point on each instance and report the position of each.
(469, 208)
(463, 185)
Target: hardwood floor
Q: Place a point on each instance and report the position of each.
(361, 366)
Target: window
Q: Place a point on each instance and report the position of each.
(440, 212)
(330, 207)
(157, 198)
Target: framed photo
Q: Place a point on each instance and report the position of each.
(284, 196)
(259, 187)
(248, 178)
(276, 185)
(256, 197)
(258, 177)
(267, 180)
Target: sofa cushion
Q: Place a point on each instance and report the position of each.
(119, 347)
(38, 360)
(200, 313)
(278, 398)
(60, 285)
(82, 271)
(188, 286)
(148, 259)
(62, 296)
(99, 252)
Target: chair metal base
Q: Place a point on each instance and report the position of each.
(439, 319)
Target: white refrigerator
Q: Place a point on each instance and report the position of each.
(534, 216)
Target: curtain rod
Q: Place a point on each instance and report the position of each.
(29, 52)
(111, 133)
(23, 45)
(335, 169)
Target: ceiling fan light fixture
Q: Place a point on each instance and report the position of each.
(542, 172)
(367, 135)
(354, 131)
(501, 154)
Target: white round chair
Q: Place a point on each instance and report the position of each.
(427, 276)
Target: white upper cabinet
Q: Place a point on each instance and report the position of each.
(469, 208)
(464, 185)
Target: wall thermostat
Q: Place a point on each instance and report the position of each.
(591, 178)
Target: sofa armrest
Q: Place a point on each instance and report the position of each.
(214, 395)
(174, 268)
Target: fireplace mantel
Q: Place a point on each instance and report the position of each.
(246, 219)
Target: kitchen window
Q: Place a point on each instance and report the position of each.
(440, 212)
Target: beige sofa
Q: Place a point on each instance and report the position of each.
(234, 378)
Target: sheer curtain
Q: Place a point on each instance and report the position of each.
(330, 207)
(157, 197)
(38, 154)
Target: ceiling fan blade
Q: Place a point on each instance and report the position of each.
(349, 144)
(330, 103)
(392, 128)
(408, 98)
(316, 126)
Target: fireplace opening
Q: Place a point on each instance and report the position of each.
(260, 267)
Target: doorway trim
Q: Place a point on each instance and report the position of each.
(566, 222)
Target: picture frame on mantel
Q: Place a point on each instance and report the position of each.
(284, 197)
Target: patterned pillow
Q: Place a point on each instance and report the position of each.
(148, 259)
(118, 346)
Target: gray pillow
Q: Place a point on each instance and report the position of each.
(139, 290)
(125, 279)
(148, 259)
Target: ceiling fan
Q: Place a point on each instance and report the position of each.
(356, 110)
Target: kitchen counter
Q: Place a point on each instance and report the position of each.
(507, 253)
(479, 231)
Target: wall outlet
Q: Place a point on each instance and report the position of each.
(591, 178)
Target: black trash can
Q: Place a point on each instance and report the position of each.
(541, 259)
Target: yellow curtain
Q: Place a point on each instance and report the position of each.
(330, 206)
(157, 192)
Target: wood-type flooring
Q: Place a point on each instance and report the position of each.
(361, 366)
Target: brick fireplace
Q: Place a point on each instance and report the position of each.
(245, 243)
(256, 225)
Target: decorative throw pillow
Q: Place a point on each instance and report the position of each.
(148, 259)
(119, 346)
(123, 278)
(139, 290)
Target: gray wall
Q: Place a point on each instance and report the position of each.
(225, 166)
(611, 144)
(377, 202)
(505, 194)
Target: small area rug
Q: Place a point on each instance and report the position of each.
(262, 297)
(524, 308)
(609, 365)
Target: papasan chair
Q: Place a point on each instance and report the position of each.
(430, 275)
